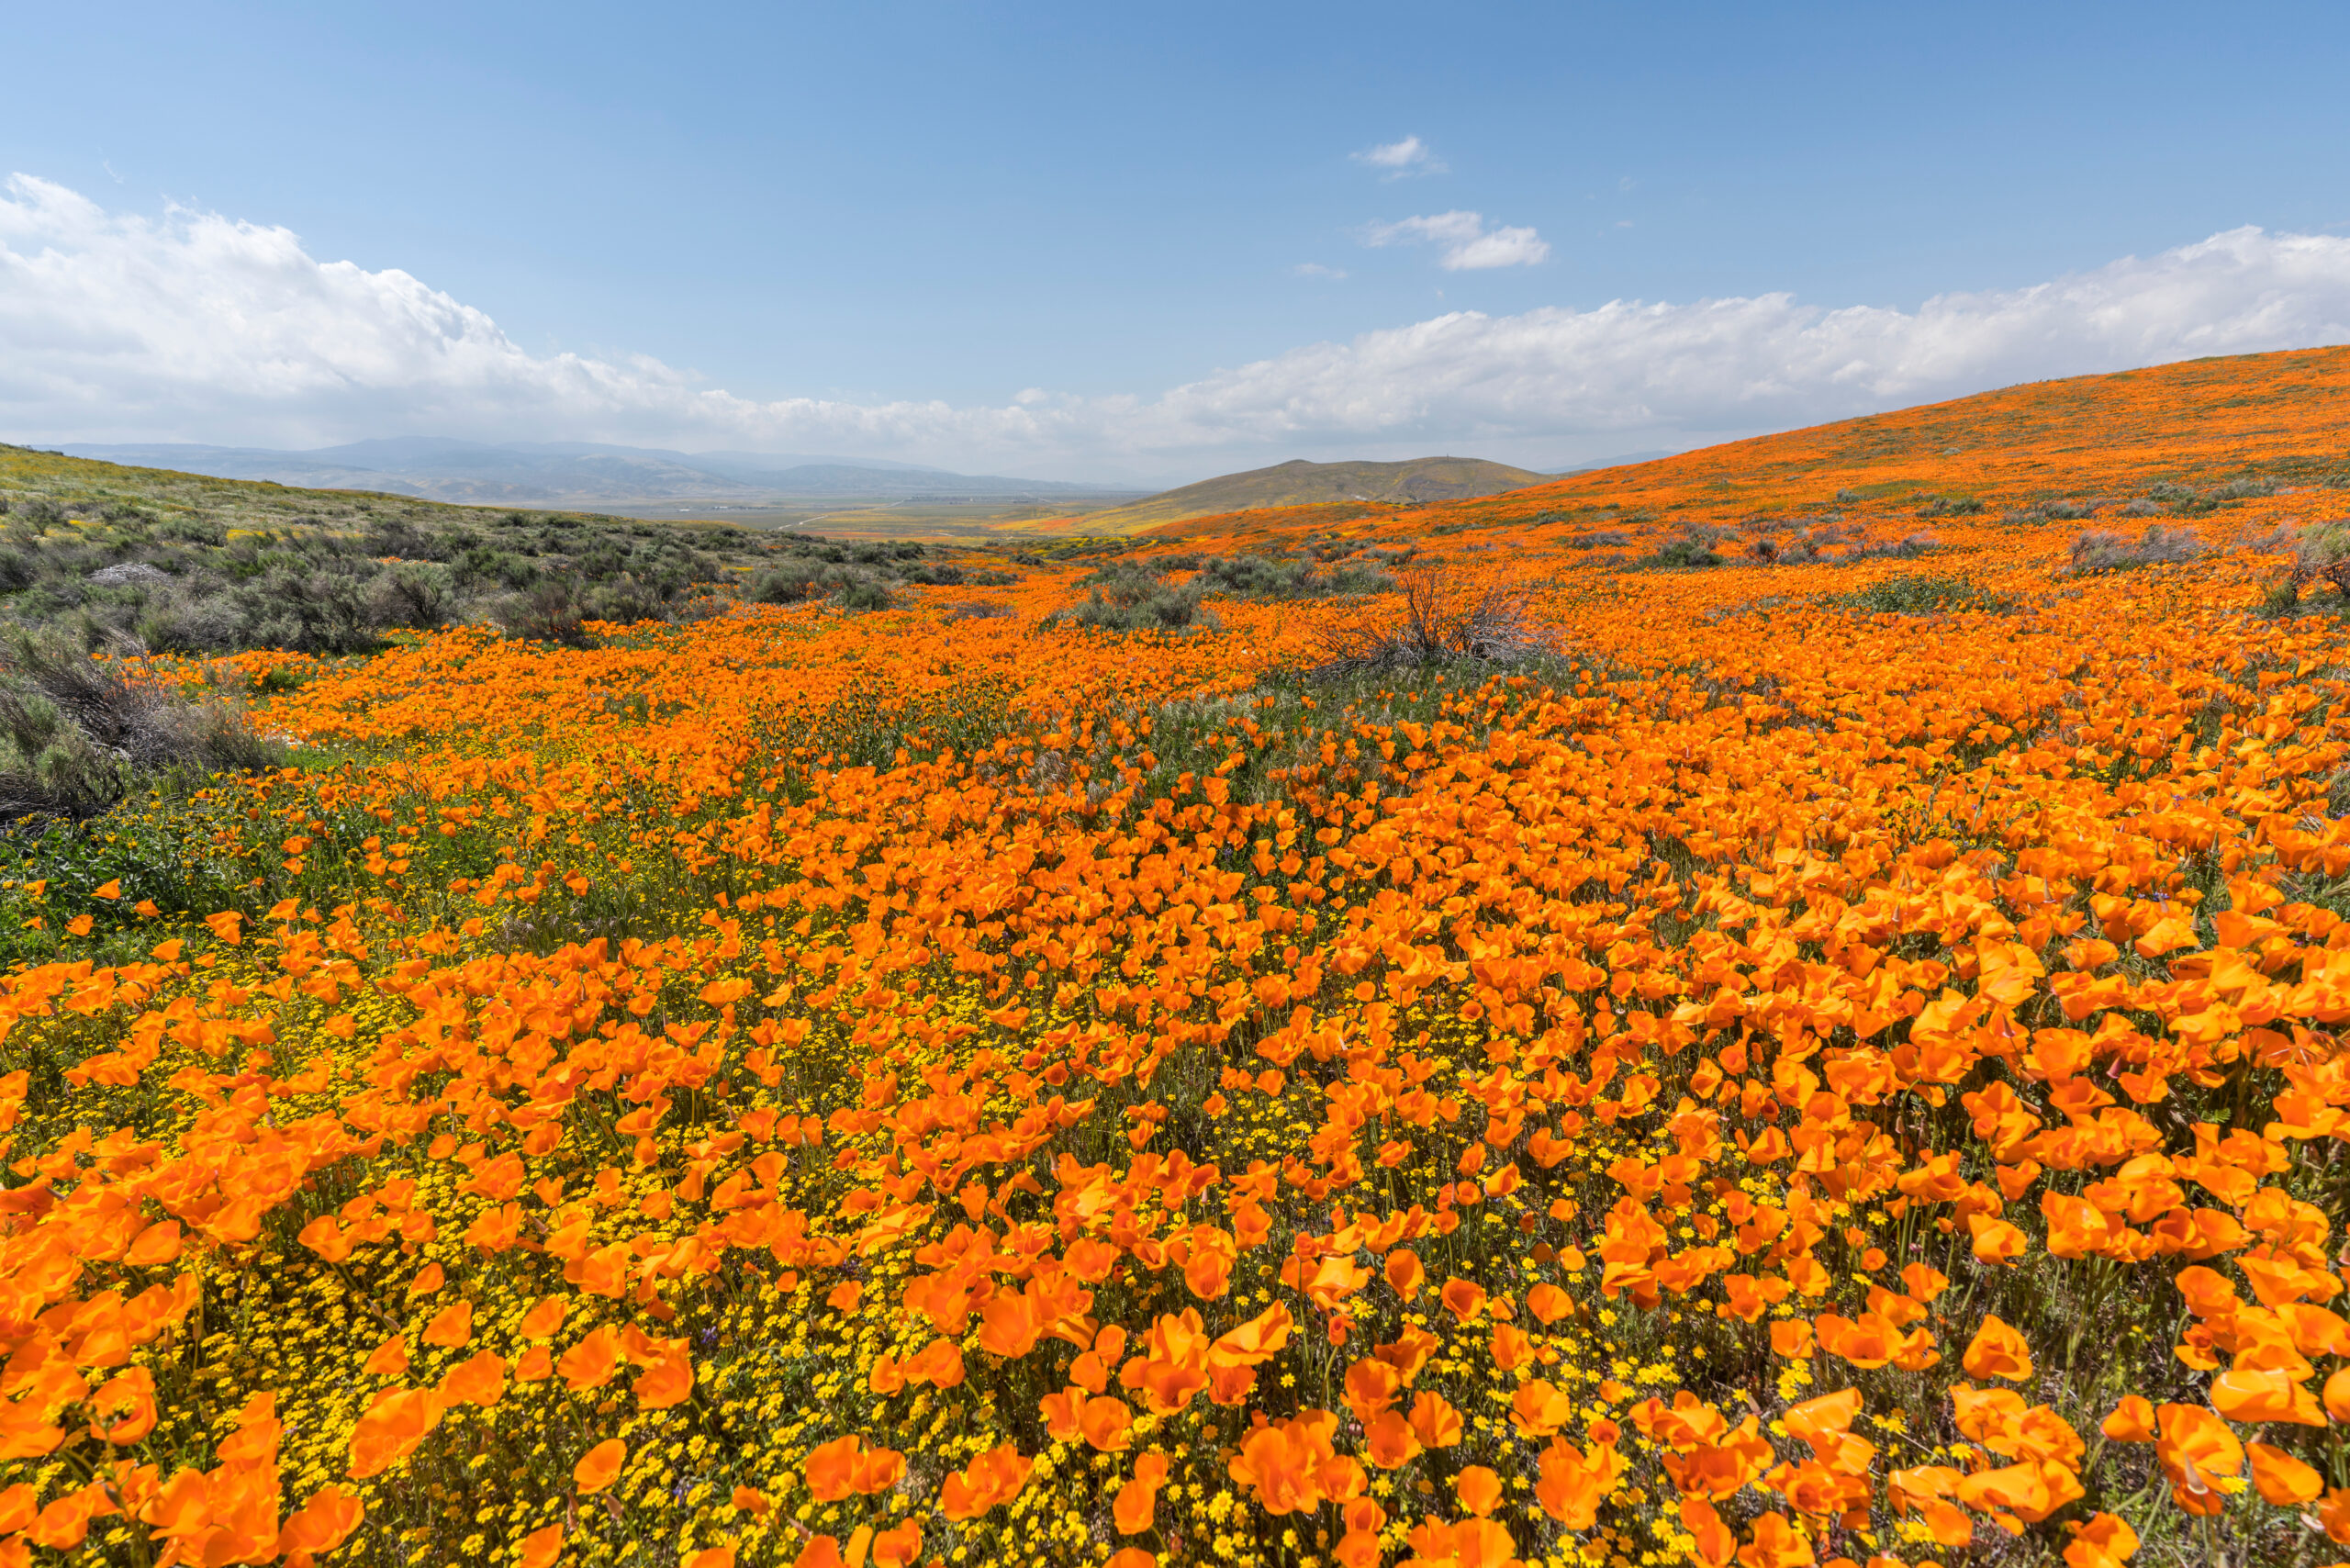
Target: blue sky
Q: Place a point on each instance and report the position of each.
(911, 206)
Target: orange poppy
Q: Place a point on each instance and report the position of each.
(2281, 1479)
(479, 1381)
(1998, 1351)
(541, 1548)
(591, 1362)
(451, 1326)
(1104, 1423)
(1134, 1508)
(390, 1428)
(993, 1478)
(2253, 1396)
(600, 1465)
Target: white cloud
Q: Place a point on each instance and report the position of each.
(1446, 228)
(1498, 248)
(1468, 244)
(1315, 269)
(1395, 160)
(195, 327)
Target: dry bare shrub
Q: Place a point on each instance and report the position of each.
(2101, 550)
(2321, 551)
(1445, 620)
(77, 735)
(1908, 548)
(1812, 542)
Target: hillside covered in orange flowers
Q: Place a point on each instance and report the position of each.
(1829, 1054)
(2260, 419)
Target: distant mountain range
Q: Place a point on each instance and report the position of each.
(1300, 483)
(578, 473)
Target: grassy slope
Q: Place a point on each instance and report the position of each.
(186, 563)
(84, 483)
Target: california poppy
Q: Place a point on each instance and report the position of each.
(600, 1465)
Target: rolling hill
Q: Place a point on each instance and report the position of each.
(1298, 483)
(2249, 435)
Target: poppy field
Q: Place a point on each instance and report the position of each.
(1836, 1058)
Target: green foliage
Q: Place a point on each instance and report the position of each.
(1131, 597)
(1925, 593)
(1695, 545)
(1266, 576)
(2186, 501)
(546, 611)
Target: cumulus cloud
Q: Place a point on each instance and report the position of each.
(1315, 269)
(192, 326)
(1395, 160)
(1468, 245)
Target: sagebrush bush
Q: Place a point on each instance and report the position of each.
(79, 734)
(546, 611)
(338, 578)
(1158, 607)
(1265, 577)
(1905, 549)
(2100, 550)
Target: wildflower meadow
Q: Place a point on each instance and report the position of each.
(1828, 1052)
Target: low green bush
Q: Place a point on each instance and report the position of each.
(1924, 593)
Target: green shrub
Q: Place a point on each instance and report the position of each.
(1132, 600)
(1924, 594)
(1263, 576)
(1811, 544)
(544, 612)
(1951, 506)
(1694, 547)
(309, 612)
(414, 596)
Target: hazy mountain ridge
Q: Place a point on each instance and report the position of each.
(444, 469)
